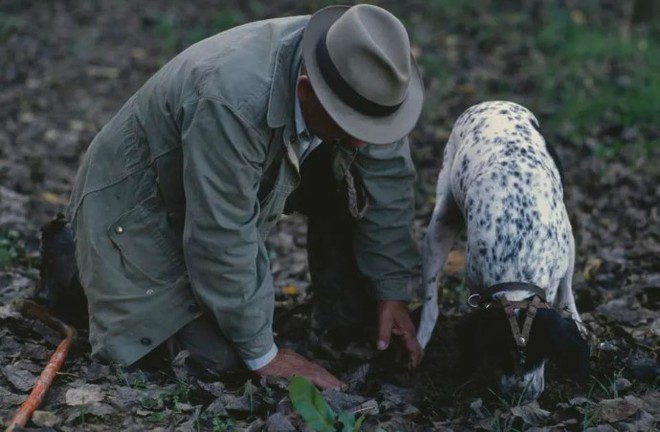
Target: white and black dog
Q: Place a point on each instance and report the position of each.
(503, 183)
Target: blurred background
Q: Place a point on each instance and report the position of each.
(589, 69)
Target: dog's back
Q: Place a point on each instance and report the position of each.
(507, 185)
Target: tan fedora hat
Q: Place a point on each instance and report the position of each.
(360, 66)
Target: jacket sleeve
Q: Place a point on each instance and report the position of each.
(386, 250)
(225, 255)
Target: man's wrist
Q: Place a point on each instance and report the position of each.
(258, 363)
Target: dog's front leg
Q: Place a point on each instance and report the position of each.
(565, 299)
(446, 223)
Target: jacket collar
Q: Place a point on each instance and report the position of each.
(285, 74)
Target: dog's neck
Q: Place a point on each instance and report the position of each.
(514, 295)
(513, 291)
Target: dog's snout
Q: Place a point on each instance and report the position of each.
(524, 387)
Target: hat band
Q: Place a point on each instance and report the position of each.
(343, 90)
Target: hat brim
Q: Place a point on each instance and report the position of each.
(369, 129)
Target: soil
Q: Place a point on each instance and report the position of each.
(67, 66)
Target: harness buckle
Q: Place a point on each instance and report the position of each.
(474, 300)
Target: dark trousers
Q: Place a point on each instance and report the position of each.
(342, 305)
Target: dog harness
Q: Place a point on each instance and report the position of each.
(530, 305)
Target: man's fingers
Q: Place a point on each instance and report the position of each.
(384, 331)
(413, 347)
(288, 363)
(326, 381)
(387, 312)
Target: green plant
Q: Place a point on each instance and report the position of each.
(9, 24)
(589, 417)
(316, 412)
(136, 380)
(8, 252)
(81, 414)
(609, 386)
(223, 424)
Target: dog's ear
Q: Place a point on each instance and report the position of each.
(467, 340)
(558, 339)
(483, 334)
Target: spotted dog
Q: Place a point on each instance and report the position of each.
(502, 182)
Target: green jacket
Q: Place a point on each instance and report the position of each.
(177, 193)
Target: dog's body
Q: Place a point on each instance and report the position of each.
(502, 182)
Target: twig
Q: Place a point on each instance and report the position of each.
(55, 362)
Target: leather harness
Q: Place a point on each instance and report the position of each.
(530, 305)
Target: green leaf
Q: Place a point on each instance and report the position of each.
(358, 423)
(347, 420)
(309, 402)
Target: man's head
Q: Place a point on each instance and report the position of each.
(361, 82)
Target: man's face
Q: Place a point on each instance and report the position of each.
(317, 119)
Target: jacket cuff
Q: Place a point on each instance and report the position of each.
(258, 363)
(256, 347)
(394, 289)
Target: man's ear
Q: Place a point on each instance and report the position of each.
(304, 89)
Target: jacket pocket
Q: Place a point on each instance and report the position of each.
(150, 248)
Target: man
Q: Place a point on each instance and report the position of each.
(176, 194)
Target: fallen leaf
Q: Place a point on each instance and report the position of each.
(290, 290)
(591, 267)
(21, 379)
(9, 399)
(278, 422)
(455, 262)
(622, 311)
(531, 414)
(614, 410)
(86, 394)
(53, 198)
(9, 311)
(45, 419)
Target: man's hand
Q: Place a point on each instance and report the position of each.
(287, 363)
(393, 318)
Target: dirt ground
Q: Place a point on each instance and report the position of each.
(67, 66)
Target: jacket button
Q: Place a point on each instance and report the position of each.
(119, 230)
(193, 308)
(145, 341)
(271, 218)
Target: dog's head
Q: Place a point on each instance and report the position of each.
(485, 336)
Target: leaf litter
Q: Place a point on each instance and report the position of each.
(614, 207)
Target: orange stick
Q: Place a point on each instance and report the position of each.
(44, 381)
